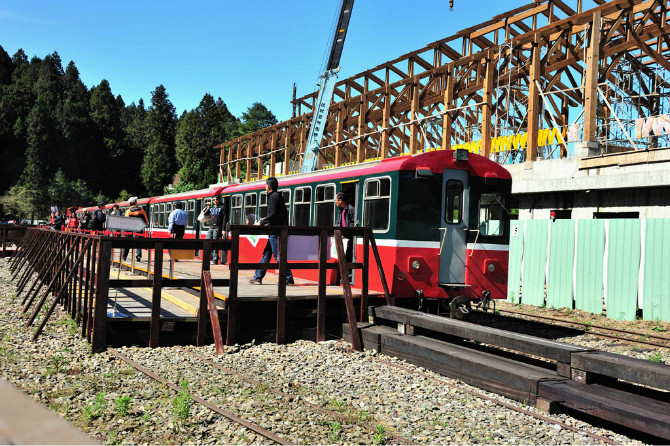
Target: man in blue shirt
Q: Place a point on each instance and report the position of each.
(177, 220)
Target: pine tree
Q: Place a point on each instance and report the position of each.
(159, 165)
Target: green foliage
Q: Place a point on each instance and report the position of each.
(122, 405)
(96, 409)
(335, 429)
(198, 131)
(256, 117)
(182, 403)
(655, 357)
(380, 438)
(124, 195)
(179, 188)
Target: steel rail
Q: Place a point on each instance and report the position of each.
(291, 398)
(507, 405)
(259, 430)
(588, 327)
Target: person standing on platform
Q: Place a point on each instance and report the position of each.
(218, 218)
(344, 217)
(177, 221)
(135, 211)
(115, 210)
(276, 216)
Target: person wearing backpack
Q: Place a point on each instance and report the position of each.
(135, 211)
(99, 218)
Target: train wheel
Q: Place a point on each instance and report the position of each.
(460, 308)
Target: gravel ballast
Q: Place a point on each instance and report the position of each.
(114, 403)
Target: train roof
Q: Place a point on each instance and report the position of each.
(200, 193)
(435, 160)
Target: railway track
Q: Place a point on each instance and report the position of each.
(636, 337)
(267, 405)
(612, 389)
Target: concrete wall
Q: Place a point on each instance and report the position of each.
(626, 182)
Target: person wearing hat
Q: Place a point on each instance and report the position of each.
(135, 211)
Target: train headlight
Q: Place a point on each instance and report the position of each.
(491, 267)
(416, 265)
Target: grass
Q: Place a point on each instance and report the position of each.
(182, 403)
(122, 405)
(380, 437)
(96, 409)
(655, 357)
(335, 429)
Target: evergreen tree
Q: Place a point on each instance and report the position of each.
(198, 132)
(158, 167)
(256, 117)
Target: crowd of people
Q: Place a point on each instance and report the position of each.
(217, 216)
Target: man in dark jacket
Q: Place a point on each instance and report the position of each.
(344, 217)
(99, 219)
(217, 222)
(276, 216)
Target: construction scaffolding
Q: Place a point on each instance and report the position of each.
(545, 80)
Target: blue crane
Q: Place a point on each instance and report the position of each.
(328, 80)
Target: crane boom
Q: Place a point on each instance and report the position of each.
(328, 80)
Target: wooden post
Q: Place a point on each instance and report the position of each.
(447, 131)
(281, 286)
(414, 115)
(386, 124)
(92, 273)
(287, 151)
(360, 143)
(348, 300)
(88, 274)
(591, 81)
(365, 273)
(339, 149)
(155, 324)
(534, 100)
(273, 153)
(231, 329)
(213, 311)
(202, 306)
(321, 297)
(98, 341)
(487, 107)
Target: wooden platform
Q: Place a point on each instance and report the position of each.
(178, 303)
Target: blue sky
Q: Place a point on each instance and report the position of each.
(242, 51)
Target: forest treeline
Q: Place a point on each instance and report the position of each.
(66, 145)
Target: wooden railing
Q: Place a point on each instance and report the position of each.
(11, 235)
(75, 269)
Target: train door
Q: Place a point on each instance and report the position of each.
(454, 227)
(350, 188)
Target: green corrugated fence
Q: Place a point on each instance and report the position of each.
(619, 265)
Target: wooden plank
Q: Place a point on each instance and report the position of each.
(501, 375)
(98, 340)
(281, 286)
(321, 297)
(213, 312)
(640, 371)
(155, 327)
(202, 308)
(349, 303)
(545, 348)
(231, 329)
(577, 396)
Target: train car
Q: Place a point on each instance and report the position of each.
(193, 201)
(439, 219)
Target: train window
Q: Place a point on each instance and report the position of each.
(491, 214)
(286, 194)
(161, 215)
(206, 202)
(236, 204)
(168, 211)
(190, 210)
(454, 201)
(377, 203)
(250, 208)
(154, 215)
(301, 206)
(263, 205)
(324, 205)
